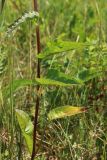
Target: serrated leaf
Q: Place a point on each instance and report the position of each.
(56, 47)
(64, 111)
(26, 127)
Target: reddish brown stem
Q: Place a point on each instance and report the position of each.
(38, 76)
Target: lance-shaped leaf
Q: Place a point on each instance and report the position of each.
(17, 84)
(26, 127)
(56, 47)
(64, 111)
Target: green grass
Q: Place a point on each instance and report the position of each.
(79, 137)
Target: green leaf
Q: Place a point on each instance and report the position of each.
(17, 84)
(26, 127)
(59, 46)
(62, 77)
(88, 74)
(64, 111)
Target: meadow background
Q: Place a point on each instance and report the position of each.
(79, 137)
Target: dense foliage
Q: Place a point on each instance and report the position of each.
(73, 84)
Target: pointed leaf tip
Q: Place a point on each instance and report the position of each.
(64, 111)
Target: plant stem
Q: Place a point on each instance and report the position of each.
(38, 76)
